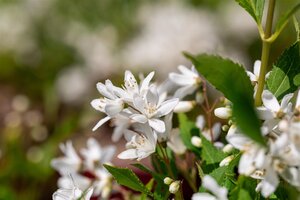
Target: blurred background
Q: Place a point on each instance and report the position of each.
(53, 52)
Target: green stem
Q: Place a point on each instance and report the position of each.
(265, 53)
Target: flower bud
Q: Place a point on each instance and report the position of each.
(199, 97)
(174, 187)
(225, 128)
(196, 141)
(223, 112)
(228, 148)
(184, 106)
(226, 160)
(168, 180)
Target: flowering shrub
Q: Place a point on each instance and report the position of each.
(253, 154)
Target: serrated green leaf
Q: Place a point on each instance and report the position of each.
(231, 79)
(244, 195)
(126, 177)
(285, 75)
(283, 20)
(210, 153)
(254, 7)
(187, 130)
(156, 176)
(149, 186)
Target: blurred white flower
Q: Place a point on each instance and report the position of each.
(69, 163)
(218, 193)
(95, 155)
(188, 80)
(175, 142)
(210, 135)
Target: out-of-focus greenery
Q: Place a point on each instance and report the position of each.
(25, 171)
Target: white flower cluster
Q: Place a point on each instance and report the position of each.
(281, 130)
(142, 112)
(88, 177)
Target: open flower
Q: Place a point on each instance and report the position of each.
(188, 80)
(140, 144)
(151, 108)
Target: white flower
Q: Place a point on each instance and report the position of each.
(103, 183)
(94, 155)
(68, 181)
(272, 109)
(151, 108)
(121, 123)
(188, 79)
(218, 193)
(72, 193)
(139, 146)
(70, 163)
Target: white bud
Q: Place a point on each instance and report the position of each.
(168, 180)
(199, 97)
(228, 148)
(225, 128)
(223, 112)
(174, 187)
(184, 106)
(196, 141)
(226, 160)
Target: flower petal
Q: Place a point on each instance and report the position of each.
(256, 68)
(139, 118)
(145, 83)
(270, 101)
(157, 125)
(166, 107)
(128, 154)
(101, 122)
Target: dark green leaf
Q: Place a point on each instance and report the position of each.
(126, 177)
(156, 176)
(231, 79)
(149, 186)
(210, 153)
(259, 8)
(285, 75)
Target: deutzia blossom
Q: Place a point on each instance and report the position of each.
(70, 163)
(72, 193)
(140, 145)
(212, 135)
(188, 80)
(256, 69)
(151, 108)
(95, 155)
(217, 192)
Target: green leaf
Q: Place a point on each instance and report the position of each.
(187, 130)
(254, 7)
(283, 20)
(243, 195)
(149, 186)
(126, 177)
(285, 75)
(231, 79)
(156, 176)
(210, 153)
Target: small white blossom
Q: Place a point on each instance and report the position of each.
(184, 106)
(196, 141)
(174, 187)
(223, 112)
(188, 80)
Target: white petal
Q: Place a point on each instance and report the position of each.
(139, 118)
(181, 79)
(270, 101)
(285, 101)
(184, 106)
(269, 184)
(251, 76)
(128, 154)
(103, 90)
(98, 104)
(200, 122)
(114, 108)
(203, 196)
(186, 71)
(256, 68)
(152, 96)
(166, 107)
(145, 83)
(264, 113)
(108, 153)
(157, 125)
(185, 90)
(223, 112)
(139, 103)
(101, 122)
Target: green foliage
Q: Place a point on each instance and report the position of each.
(283, 20)
(210, 154)
(285, 75)
(254, 7)
(126, 177)
(188, 129)
(231, 79)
